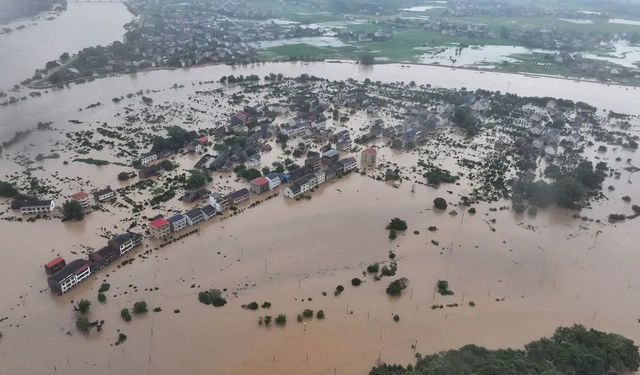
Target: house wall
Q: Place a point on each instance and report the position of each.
(36, 209)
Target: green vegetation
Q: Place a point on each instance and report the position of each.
(435, 176)
(443, 288)
(124, 176)
(104, 288)
(571, 350)
(157, 309)
(320, 315)
(92, 161)
(83, 306)
(102, 297)
(266, 305)
(253, 306)
(356, 281)
(373, 268)
(125, 315)
(82, 323)
(392, 234)
(140, 307)
(472, 304)
(397, 286)
(212, 297)
(267, 320)
(72, 210)
(281, 319)
(197, 178)
(397, 224)
(339, 289)
(168, 165)
(440, 203)
(396, 318)
(389, 270)
(307, 313)
(41, 157)
(121, 338)
(176, 139)
(7, 190)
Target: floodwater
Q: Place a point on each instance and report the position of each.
(82, 25)
(624, 22)
(422, 8)
(546, 271)
(474, 55)
(320, 41)
(575, 20)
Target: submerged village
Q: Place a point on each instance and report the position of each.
(285, 136)
(180, 168)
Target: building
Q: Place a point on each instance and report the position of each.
(55, 265)
(153, 170)
(259, 185)
(330, 157)
(254, 160)
(368, 157)
(349, 164)
(125, 242)
(104, 256)
(33, 207)
(238, 119)
(299, 172)
(194, 216)
(219, 202)
(329, 174)
(208, 211)
(194, 146)
(194, 195)
(292, 191)
(148, 158)
(178, 222)
(274, 180)
(239, 196)
(320, 177)
(69, 276)
(104, 195)
(160, 228)
(313, 163)
(83, 198)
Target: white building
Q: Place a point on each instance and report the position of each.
(148, 158)
(83, 198)
(36, 207)
(274, 180)
(292, 191)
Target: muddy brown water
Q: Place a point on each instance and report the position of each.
(546, 271)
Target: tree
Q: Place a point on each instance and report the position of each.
(51, 64)
(397, 224)
(373, 268)
(396, 287)
(568, 193)
(197, 178)
(250, 174)
(168, 165)
(125, 315)
(140, 307)
(72, 210)
(123, 176)
(280, 319)
(266, 171)
(253, 306)
(320, 314)
(519, 208)
(7, 190)
(367, 59)
(336, 114)
(307, 313)
(64, 57)
(83, 306)
(440, 203)
(102, 297)
(356, 281)
(82, 323)
(443, 288)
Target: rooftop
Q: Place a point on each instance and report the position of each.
(370, 151)
(331, 153)
(158, 223)
(176, 218)
(80, 195)
(122, 238)
(26, 203)
(208, 210)
(260, 181)
(54, 262)
(70, 268)
(194, 213)
(239, 193)
(107, 250)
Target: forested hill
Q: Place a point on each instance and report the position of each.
(570, 351)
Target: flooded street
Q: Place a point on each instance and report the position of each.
(526, 274)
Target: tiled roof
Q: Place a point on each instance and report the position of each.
(157, 223)
(80, 195)
(54, 262)
(370, 151)
(260, 181)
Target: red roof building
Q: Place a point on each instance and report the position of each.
(160, 228)
(259, 185)
(82, 197)
(203, 140)
(54, 265)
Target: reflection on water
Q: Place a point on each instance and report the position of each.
(624, 22)
(469, 56)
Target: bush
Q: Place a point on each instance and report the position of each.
(307, 313)
(102, 297)
(397, 224)
(82, 323)
(392, 234)
(126, 316)
(433, 228)
(519, 208)
(472, 210)
(299, 318)
(373, 268)
(123, 176)
(626, 198)
(396, 318)
(140, 307)
(339, 289)
(356, 281)
(392, 255)
(320, 314)
(266, 305)
(205, 297)
(389, 270)
(472, 304)
(443, 288)
(121, 338)
(267, 320)
(83, 306)
(157, 309)
(281, 319)
(617, 217)
(396, 287)
(104, 288)
(636, 208)
(218, 301)
(440, 203)
(253, 306)
(533, 211)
